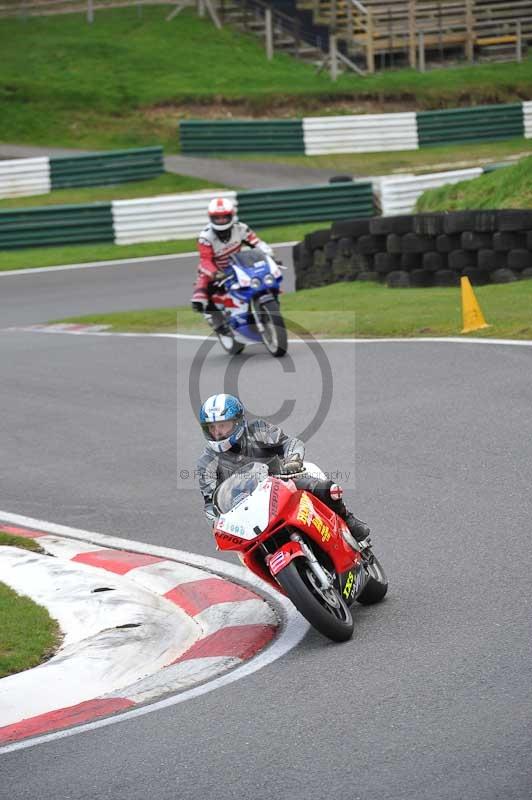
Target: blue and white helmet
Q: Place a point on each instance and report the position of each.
(222, 408)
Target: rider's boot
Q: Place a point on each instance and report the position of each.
(215, 318)
(357, 528)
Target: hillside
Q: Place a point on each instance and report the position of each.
(127, 80)
(510, 187)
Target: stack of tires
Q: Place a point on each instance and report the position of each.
(419, 250)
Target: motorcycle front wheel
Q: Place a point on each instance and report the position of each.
(326, 611)
(274, 335)
(228, 342)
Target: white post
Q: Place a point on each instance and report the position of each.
(518, 41)
(201, 8)
(90, 11)
(269, 33)
(421, 51)
(333, 58)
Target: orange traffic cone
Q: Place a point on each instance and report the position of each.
(472, 316)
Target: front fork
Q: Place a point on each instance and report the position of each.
(322, 577)
(256, 316)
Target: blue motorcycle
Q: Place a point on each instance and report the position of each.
(248, 299)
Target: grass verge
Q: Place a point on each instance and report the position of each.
(28, 635)
(164, 184)
(452, 156)
(35, 257)
(505, 188)
(363, 310)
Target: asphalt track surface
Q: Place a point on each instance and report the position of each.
(431, 698)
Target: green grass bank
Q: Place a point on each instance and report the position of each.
(510, 187)
(28, 635)
(126, 80)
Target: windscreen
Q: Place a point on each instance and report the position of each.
(239, 486)
(248, 258)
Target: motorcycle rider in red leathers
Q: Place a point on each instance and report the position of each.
(222, 237)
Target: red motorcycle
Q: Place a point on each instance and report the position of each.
(294, 542)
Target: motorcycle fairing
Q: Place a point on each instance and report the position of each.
(323, 526)
(353, 581)
(283, 556)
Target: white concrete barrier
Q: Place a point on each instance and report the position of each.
(163, 218)
(527, 115)
(398, 195)
(363, 133)
(24, 176)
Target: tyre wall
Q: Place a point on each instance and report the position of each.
(419, 250)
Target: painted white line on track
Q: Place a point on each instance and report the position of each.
(198, 337)
(292, 632)
(118, 262)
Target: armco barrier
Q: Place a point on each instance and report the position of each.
(364, 133)
(284, 206)
(178, 216)
(28, 176)
(419, 249)
(98, 169)
(163, 218)
(241, 136)
(54, 225)
(470, 124)
(398, 194)
(527, 115)
(24, 176)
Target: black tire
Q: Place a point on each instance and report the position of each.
(477, 277)
(274, 337)
(428, 224)
(514, 220)
(386, 262)
(369, 245)
(508, 240)
(227, 341)
(503, 276)
(434, 261)
(398, 279)
(461, 259)
(298, 586)
(446, 277)
(384, 225)
(317, 239)
(353, 228)
(414, 243)
(341, 179)
(519, 259)
(421, 278)
(472, 240)
(375, 589)
(446, 243)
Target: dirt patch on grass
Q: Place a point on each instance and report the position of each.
(288, 107)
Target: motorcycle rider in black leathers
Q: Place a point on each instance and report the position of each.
(232, 443)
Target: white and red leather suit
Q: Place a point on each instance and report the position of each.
(215, 253)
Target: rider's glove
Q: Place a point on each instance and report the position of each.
(210, 512)
(219, 276)
(291, 465)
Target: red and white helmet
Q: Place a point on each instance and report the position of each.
(221, 213)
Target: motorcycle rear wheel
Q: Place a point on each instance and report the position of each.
(229, 344)
(274, 335)
(377, 585)
(333, 621)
